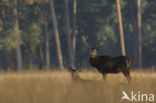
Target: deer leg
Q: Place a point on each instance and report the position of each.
(127, 75)
(104, 76)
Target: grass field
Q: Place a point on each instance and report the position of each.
(59, 87)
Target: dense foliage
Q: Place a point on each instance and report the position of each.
(95, 18)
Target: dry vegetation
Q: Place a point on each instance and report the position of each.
(59, 87)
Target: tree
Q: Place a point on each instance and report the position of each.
(95, 18)
(133, 20)
(68, 33)
(18, 38)
(75, 32)
(121, 28)
(56, 34)
(47, 54)
(139, 33)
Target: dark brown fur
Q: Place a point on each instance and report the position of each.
(108, 64)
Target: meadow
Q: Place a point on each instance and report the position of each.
(59, 87)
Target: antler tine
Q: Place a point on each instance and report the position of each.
(104, 37)
(84, 38)
(65, 63)
(74, 72)
(78, 67)
(69, 68)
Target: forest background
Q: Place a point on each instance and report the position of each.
(42, 34)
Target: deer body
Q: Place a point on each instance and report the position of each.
(108, 64)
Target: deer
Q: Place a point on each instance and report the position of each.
(108, 64)
(73, 70)
(75, 74)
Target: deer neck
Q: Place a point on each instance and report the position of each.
(93, 55)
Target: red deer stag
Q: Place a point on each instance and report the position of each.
(108, 64)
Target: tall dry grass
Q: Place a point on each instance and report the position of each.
(59, 87)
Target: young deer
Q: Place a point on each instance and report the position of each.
(108, 64)
(74, 71)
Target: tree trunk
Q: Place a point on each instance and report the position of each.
(19, 58)
(3, 19)
(121, 28)
(134, 24)
(47, 54)
(68, 33)
(74, 29)
(139, 34)
(41, 56)
(16, 28)
(56, 34)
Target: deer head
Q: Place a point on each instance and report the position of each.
(74, 71)
(92, 51)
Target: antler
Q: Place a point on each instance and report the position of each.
(84, 38)
(103, 38)
(74, 71)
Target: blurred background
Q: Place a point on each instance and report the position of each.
(41, 34)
